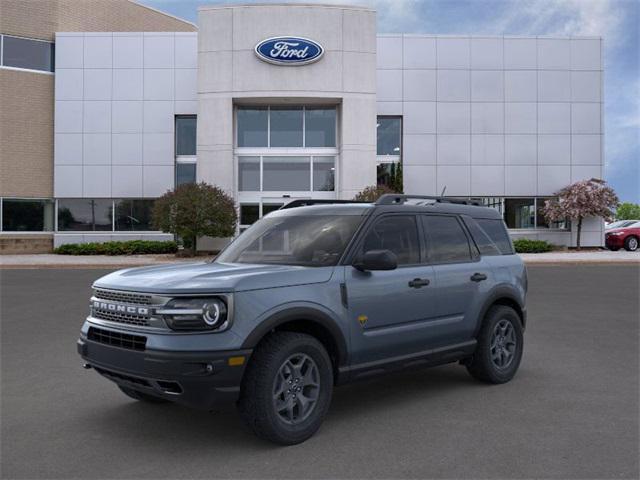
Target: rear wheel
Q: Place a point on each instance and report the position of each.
(500, 344)
(141, 396)
(631, 244)
(287, 388)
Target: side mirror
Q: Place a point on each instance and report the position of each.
(377, 260)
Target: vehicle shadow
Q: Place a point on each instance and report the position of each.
(175, 427)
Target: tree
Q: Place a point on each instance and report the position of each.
(372, 193)
(628, 211)
(586, 198)
(195, 210)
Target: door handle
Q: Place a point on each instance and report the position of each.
(418, 282)
(478, 277)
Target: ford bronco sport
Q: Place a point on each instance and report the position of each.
(313, 295)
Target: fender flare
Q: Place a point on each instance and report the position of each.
(300, 313)
(499, 293)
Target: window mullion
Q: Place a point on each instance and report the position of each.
(304, 127)
(269, 126)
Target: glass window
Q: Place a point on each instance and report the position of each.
(185, 173)
(270, 207)
(252, 126)
(485, 244)
(249, 213)
(541, 220)
(497, 232)
(324, 169)
(25, 53)
(309, 240)
(390, 175)
(286, 127)
(26, 215)
(447, 242)
(249, 174)
(492, 202)
(286, 173)
(134, 215)
(397, 233)
(389, 131)
(84, 215)
(519, 212)
(320, 127)
(186, 135)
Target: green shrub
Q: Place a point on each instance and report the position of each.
(131, 247)
(524, 245)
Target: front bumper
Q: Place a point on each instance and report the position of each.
(200, 380)
(614, 241)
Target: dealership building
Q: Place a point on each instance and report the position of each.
(120, 103)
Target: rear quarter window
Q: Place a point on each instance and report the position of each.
(497, 232)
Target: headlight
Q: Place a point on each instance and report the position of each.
(616, 233)
(195, 314)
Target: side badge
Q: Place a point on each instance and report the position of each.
(362, 320)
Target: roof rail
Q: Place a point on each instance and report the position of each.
(399, 199)
(309, 201)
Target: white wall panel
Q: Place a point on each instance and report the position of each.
(389, 52)
(389, 85)
(68, 149)
(487, 53)
(126, 181)
(586, 150)
(520, 53)
(554, 54)
(97, 84)
(420, 180)
(158, 149)
(586, 54)
(487, 117)
(454, 86)
(96, 117)
(487, 85)
(552, 178)
(520, 149)
(554, 149)
(487, 180)
(454, 117)
(157, 180)
(127, 51)
(98, 51)
(128, 84)
(585, 118)
(96, 149)
(419, 149)
(127, 117)
(487, 149)
(68, 84)
(456, 179)
(554, 118)
(126, 149)
(158, 51)
(520, 118)
(69, 50)
(585, 86)
(520, 180)
(419, 85)
(554, 86)
(453, 52)
(454, 149)
(419, 52)
(158, 84)
(96, 181)
(521, 85)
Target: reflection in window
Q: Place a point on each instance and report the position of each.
(185, 135)
(270, 207)
(249, 174)
(447, 242)
(26, 215)
(285, 125)
(519, 212)
(253, 124)
(399, 234)
(389, 133)
(286, 173)
(249, 213)
(26, 53)
(133, 215)
(324, 174)
(320, 127)
(84, 215)
(541, 220)
(185, 173)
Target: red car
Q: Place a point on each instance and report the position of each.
(627, 237)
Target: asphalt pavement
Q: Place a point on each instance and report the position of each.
(571, 412)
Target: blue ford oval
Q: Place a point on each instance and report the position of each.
(289, 50)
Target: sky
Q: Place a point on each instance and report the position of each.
(617, 21)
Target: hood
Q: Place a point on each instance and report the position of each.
(205, 277)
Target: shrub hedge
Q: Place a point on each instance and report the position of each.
(524, 245)
(131, 247)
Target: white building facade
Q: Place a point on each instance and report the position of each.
(505, 120)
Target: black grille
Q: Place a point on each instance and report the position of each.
(129, 319)
(117, 339)
(125, 297)
(119, 376)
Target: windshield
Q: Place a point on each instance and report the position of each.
(621, 224)
(311, 241)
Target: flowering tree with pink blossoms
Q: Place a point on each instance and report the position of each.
(586, 198)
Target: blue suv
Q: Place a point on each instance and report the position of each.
(314, 295)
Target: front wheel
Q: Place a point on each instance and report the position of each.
(287, 388)
(500, 344)
(631, 244)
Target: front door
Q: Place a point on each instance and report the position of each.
(390, 311)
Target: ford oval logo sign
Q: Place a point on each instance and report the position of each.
(289, 51)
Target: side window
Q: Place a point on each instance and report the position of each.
(447, 242)
(398, 233)
(497, 232)
(480, 237)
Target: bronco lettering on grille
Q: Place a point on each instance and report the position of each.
(114, 307)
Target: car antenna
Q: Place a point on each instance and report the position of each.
(443, 190)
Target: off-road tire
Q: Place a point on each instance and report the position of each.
(631, 243)
(482, 366)
(141, 396)
(256, 404)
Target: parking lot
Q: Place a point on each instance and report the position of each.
(571, 412)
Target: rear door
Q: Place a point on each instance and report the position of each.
(462, 277)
